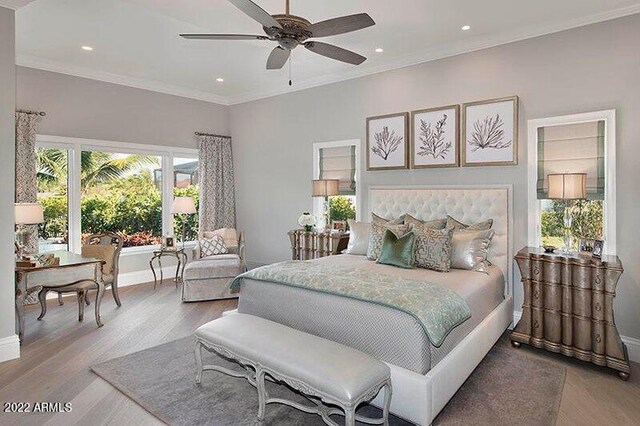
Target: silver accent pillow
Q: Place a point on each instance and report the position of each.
(382, 221)
(358, 237)
(377, 236)
(433, 247)
(470, 248)
(480, 226)
(433, 224)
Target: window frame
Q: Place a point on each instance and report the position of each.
(609, 208)
(75, 146)
(317, 146)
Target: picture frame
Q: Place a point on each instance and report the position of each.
(388, 142)
(598, 248)
(585, 246)
(339, 225)
(490, 132)
(435, 137)
(168, 243)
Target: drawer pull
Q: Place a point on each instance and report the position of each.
(598, 338)
(536, 270)
(536, 324)
(598, 279)
(536, 294)
(598, 306)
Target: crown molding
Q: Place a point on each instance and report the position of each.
(14, 4)
(429, 55)
(154, 86)
(446, 51)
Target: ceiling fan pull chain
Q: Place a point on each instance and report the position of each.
(290, 80)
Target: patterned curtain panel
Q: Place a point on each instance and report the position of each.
(217, 192)
(26, 183)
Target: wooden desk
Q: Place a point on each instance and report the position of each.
(73, 269)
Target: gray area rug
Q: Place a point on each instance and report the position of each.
(508, 387)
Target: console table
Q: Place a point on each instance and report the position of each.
(307, 245)
(568, 307)
(179, 254)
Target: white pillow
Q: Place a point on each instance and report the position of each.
(358, 237)
(212, 246)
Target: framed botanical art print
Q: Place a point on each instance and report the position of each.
(434, 137)
(490, 132)
(388, 142)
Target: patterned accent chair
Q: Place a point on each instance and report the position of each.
(208, 278)
(107, 247)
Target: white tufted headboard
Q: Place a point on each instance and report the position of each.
(468, 204)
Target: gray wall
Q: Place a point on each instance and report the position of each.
(585, 69)
(7, 169)
(83, 108)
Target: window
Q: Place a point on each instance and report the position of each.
(52, 179)
(339, 160)
(583, 144)
(89, 186)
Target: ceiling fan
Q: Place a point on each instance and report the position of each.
(290, 31)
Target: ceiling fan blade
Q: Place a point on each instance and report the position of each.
(278, 58)
(256, 12)
(335, 52)
(344, 24)
(223, 37)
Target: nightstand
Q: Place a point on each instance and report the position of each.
(568, 307)
(307, 245)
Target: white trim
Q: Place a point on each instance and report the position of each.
(144, 276)
(9, 348)
(433, 54)
(317, 202)
(633, 344)
(609, 117)
(122, 80)
(121, 147)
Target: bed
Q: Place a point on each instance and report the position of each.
(424, 375)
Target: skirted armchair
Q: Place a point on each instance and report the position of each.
(208, 278)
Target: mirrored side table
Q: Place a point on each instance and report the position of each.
(179, 254)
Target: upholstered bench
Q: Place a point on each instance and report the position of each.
(336, 374)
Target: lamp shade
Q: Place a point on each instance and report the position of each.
(326, 187)
(568, 186)
(29, 213)
(183, 205)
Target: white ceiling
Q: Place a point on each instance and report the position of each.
(136, 42)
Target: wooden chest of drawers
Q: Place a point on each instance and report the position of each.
(312, 245)
(568, 307)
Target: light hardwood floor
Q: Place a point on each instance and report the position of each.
(58, 351)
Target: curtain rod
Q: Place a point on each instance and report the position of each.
(40, 113)
(211, 134)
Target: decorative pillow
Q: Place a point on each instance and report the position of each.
(396, 251)
(469, 249)
(480, 226)
(377, 234)
(358, 237)
(382, 221)
(433, 224)
(433, 247)
(229, 235)
(212, 246)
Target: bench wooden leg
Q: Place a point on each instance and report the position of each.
(262, 393)
(198, 355)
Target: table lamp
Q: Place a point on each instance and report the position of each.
(26, 214)
(567, 187)
(326, 188)
(184, 206)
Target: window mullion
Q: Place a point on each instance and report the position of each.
(167, 194)
(74, 197)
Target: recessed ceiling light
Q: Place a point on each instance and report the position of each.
(379, 50)
(466, 28)
(219, 79)
(87, 48)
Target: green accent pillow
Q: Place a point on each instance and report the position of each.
(396, 251)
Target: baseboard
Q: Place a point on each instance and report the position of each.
(9, 348)
(633, 344)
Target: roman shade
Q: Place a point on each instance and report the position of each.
(572, 149)
(339, 163)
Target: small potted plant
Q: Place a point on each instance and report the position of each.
(307, 221)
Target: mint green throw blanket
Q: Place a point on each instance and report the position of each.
(437, 309)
